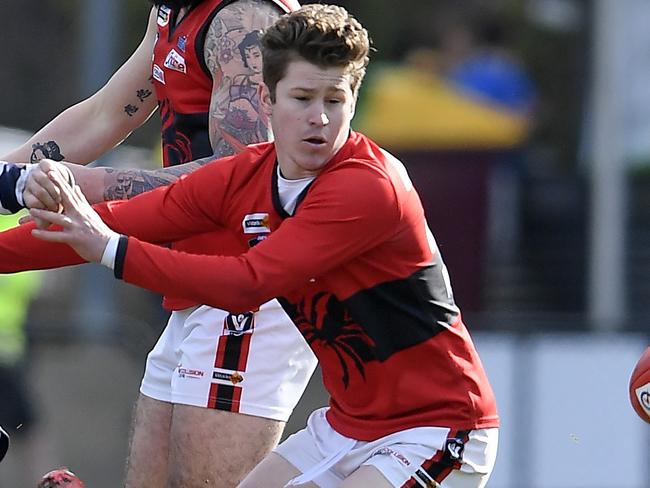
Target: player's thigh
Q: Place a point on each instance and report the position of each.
(217, 446)
(273, 472)
(149, 449)
(366, 477)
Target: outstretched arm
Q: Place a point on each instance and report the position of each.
(153, 217)
(336, 223)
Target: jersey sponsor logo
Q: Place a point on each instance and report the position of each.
(158, 74)
(239, 324)
(235, 377)
(455, 448)
(257, 223)
(643, 394)
(175, 61)
(256, 240)
(164, 14)
(182, 43)
(190, 373)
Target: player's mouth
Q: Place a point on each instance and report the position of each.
(315, 140)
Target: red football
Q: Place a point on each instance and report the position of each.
(640, 386)
(61, 478)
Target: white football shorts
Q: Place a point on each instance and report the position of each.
(255, 363)
(421, 457)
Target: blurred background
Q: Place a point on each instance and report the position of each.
(525, 126)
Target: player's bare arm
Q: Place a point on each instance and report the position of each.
(88, 129)
(124, 184)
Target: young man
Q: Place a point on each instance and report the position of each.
(337, 232)
(208, 387)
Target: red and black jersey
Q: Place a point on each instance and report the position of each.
(356, 268)
(183, 82)
(184, 86)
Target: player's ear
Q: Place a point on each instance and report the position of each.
(265, 98)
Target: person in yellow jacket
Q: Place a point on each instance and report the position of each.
(16, 294)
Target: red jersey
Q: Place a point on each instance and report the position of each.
(184, 85)
(355, 267)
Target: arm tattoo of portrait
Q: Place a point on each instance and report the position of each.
(46, 150)
(232, 48)
(125, 184)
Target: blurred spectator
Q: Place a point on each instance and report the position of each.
(459, 116)
(478, 60)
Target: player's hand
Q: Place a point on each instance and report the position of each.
(81, 227)
(40, 191)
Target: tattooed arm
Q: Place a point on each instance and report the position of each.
(233, 55)
(88, 129)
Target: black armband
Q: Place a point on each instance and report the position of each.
(120, 256)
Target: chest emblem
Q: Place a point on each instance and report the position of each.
(164, 13)
(158, 74)
(175, 61)
(257, 223)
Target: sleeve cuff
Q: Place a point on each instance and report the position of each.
(120, 256)
(11, 196)
(108, 258)
(22, 181)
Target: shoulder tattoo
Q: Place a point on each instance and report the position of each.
(232, 49)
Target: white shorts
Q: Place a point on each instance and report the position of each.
(410, 458)
(253, 363)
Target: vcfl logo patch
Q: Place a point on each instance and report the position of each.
(238, 324)
(455, 448)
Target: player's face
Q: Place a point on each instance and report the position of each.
(310, 117)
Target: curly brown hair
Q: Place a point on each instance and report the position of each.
(325, 35)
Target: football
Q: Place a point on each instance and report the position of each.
(61, 478)
(640, 386)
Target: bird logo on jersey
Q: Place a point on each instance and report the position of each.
(324, 319)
